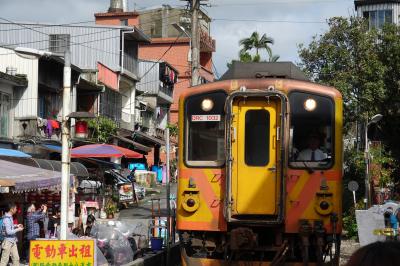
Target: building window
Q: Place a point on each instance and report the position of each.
(58, 43)
(124, 22)
(111, 105)
(205, 130)
(5, 106)
(378, 18)
(49, 104)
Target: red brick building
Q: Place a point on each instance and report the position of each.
(168, 42)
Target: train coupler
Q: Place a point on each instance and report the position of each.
(305, 232)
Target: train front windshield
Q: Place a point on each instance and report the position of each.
(311, 130)
(205, 129)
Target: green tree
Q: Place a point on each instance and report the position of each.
(364, 65)
(258, 43)
(102, 129)
(346, 57)
(274, 58)
(388, 49)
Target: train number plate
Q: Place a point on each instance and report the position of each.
(206, 118)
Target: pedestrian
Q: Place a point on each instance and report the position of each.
(32, 222)
(90, 223)
(9, 232)
(78, 230)
(376, 254)
(133, 180)
(54, 221)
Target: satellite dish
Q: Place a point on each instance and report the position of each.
(352, 185)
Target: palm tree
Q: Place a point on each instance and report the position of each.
(274, 58)
(257, 43)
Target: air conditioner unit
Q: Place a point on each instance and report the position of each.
(186, 20)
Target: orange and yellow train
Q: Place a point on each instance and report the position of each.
(260, 171)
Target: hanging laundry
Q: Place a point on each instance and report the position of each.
(167, 72)
(158, 110)
(40, 122)
(172, 77)
(49, 129)
(55, 124)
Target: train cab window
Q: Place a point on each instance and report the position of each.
(205, 129)
(311, 131)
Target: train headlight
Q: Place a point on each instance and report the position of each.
(310, 104)
(207, 105)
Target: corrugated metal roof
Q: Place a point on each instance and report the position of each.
(14, 80)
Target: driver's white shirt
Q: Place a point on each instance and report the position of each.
(305, 155)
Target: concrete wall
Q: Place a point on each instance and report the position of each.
(8, 89)
(25, 101)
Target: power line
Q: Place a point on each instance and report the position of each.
(86, 21)
(42, 26)
(215, 69)
(169, 48)
(270, 21)
(24, 27)
(48, 26)
(47, 40)
(73, 43)
(281, 2)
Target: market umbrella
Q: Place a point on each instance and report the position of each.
(103, 151)
(13, 153)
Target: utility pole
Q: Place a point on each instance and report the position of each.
(168, 181)
(65, 156)
(194, 8)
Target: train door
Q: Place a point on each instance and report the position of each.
(254, 144)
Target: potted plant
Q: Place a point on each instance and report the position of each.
(110, 209)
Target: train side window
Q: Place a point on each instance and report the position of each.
(311, 130)
(205, 129)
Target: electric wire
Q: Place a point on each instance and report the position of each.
(270, 21)
(283, 2)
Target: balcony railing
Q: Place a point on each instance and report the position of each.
(167, 90)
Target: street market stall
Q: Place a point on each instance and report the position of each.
(111, 187)
(17, 181)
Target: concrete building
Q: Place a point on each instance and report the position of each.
(378, 12)
(39, 101)
(169, 29)
(153, 105)
(9, 82)
(107, 56)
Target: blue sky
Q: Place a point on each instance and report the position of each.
(288, 22)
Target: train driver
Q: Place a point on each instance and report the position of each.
(312, 152)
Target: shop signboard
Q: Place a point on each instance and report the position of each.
(125, 192)
(62, 252)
